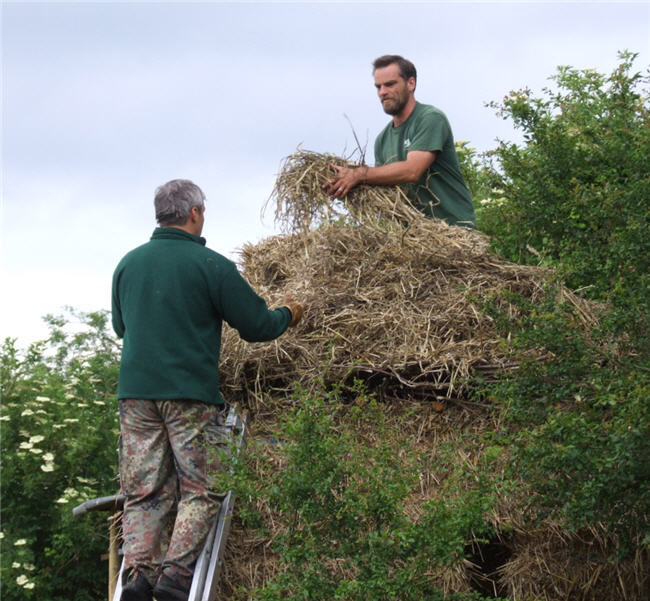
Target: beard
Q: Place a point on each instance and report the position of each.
(394, 106)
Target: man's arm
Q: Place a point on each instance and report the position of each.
(243, 309)
(400, 172)
(116, 310)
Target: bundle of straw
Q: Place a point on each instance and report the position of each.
(391, 296)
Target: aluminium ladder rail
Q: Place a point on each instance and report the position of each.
(207, 571)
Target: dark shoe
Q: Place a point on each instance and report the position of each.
(169, 589)
(135, 587)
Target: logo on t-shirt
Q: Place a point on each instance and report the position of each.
(407, 143)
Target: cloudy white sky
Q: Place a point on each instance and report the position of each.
(103, 101)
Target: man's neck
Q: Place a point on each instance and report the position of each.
(405, 113)
(186, 228)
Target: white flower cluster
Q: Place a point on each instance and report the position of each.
(29, 445)
(48, 465)
(68, 495)
(497, 199)
(23, 580)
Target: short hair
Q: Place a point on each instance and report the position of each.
(174, 200)
(406, 67)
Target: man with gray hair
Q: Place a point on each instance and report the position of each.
(169, 299)
(415, 149)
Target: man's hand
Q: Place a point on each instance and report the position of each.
(296, 309)
(391, 174)
(345, 179)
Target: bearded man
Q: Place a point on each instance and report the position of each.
(416, 148)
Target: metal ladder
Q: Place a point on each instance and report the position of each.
(207, 571)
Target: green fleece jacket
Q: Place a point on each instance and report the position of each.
(169, 299)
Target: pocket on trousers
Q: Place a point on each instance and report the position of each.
(217, 440)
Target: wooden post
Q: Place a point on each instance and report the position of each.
(113, 555)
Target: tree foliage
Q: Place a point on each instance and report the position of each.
(575, 194)
(577, 422)
(339, 505)
(576, 190)
(59, 436)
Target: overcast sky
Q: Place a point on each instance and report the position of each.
(104, 101)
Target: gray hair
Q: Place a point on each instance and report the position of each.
(174, 201)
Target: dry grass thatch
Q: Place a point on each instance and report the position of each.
(550, 564)
(390, 295)
(395, 298)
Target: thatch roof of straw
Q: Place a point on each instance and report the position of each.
(395, 297)
(390, 294)
(551, 564)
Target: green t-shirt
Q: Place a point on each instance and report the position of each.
(441, 192)
(169, 299)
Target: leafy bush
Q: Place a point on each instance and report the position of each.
(59, 435)
(578, 421)
(476, 173)
(576, 191)
(574, 195)
(339, 494)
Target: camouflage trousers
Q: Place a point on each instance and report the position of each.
(169, 452)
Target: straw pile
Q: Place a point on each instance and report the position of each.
(395, 299)
(550, 564)
(391, 297)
